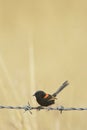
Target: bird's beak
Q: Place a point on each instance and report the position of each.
(33, 95)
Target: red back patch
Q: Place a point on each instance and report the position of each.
(46, 95)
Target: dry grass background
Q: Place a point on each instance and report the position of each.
(42, 44)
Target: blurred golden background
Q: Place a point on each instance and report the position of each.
(42, 44)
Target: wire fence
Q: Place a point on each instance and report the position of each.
(30, 108)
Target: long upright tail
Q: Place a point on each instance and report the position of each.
(60, 88)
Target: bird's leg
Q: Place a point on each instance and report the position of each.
(39, 108)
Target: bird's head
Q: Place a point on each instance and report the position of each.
(39, 93)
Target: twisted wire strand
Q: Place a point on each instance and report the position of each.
(29, 108)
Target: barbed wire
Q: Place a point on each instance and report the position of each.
(29, 108)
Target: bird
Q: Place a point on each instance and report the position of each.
(45, 99)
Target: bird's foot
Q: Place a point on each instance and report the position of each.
(39, 108)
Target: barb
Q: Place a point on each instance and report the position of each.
(29, 108)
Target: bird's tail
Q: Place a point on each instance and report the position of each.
(60, 88)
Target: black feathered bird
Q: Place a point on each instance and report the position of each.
(45, 99)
